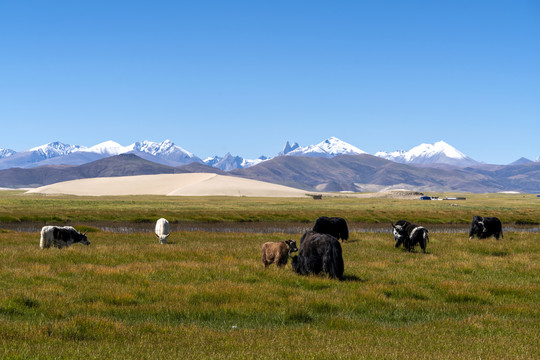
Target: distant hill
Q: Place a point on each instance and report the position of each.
(119, 165)
(362, 173)
(371, 173)
(521, 161)
(358, 173)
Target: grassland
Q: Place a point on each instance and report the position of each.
(207, 295)
(16, 207)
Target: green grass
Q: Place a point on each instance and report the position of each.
(207, 295)
(16, 207)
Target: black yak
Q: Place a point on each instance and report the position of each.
(335, 226)
(410, 235)
(319, 252)
(397, 237)
(484, 227)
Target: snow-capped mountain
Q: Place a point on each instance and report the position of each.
(166, 149)
(437, 153)
(249, 163)
(212, 161)
(288, 148)
(328, 148)
(38, 154)
(54, 149)
(230, 162)
(167, 153)
(107, 148)
(57, 153)
(4, 153)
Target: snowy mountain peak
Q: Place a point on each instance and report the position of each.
(109, 148)
(4, 153)
(440, 147)
(164, 148)
(328, 148)
(288, 148)
(437, 153)
(229, 162)
(55, 149)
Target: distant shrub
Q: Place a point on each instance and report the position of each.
(9, 219)
(141, 220)
(527, 222)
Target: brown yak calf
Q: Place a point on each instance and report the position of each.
(277, 252)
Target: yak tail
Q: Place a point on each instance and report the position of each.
(345, 232)
(426, 236)
(333, 260)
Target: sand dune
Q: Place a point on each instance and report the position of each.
(193, 184)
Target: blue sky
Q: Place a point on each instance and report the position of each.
(246, 76)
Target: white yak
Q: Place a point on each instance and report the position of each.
(162, 230)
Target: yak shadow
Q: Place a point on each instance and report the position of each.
(417, 252)
(352, 278)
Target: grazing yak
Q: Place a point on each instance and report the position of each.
(60, 237)
(335, 226)
(319, 252)
(277, 252)
(410, 235)
(484, 227)
(162, 230)
(397, 237)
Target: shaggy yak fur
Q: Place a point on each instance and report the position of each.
(162, 230)
(335, 226)
(319, 252)
(410, 235)
(397, 237)
(61, 236)
(277, 252)
(484, 227)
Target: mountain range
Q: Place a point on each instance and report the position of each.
(168, 153)
(332, 165)
(341, 173)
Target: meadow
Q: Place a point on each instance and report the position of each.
(206, 295)
(17, 207)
